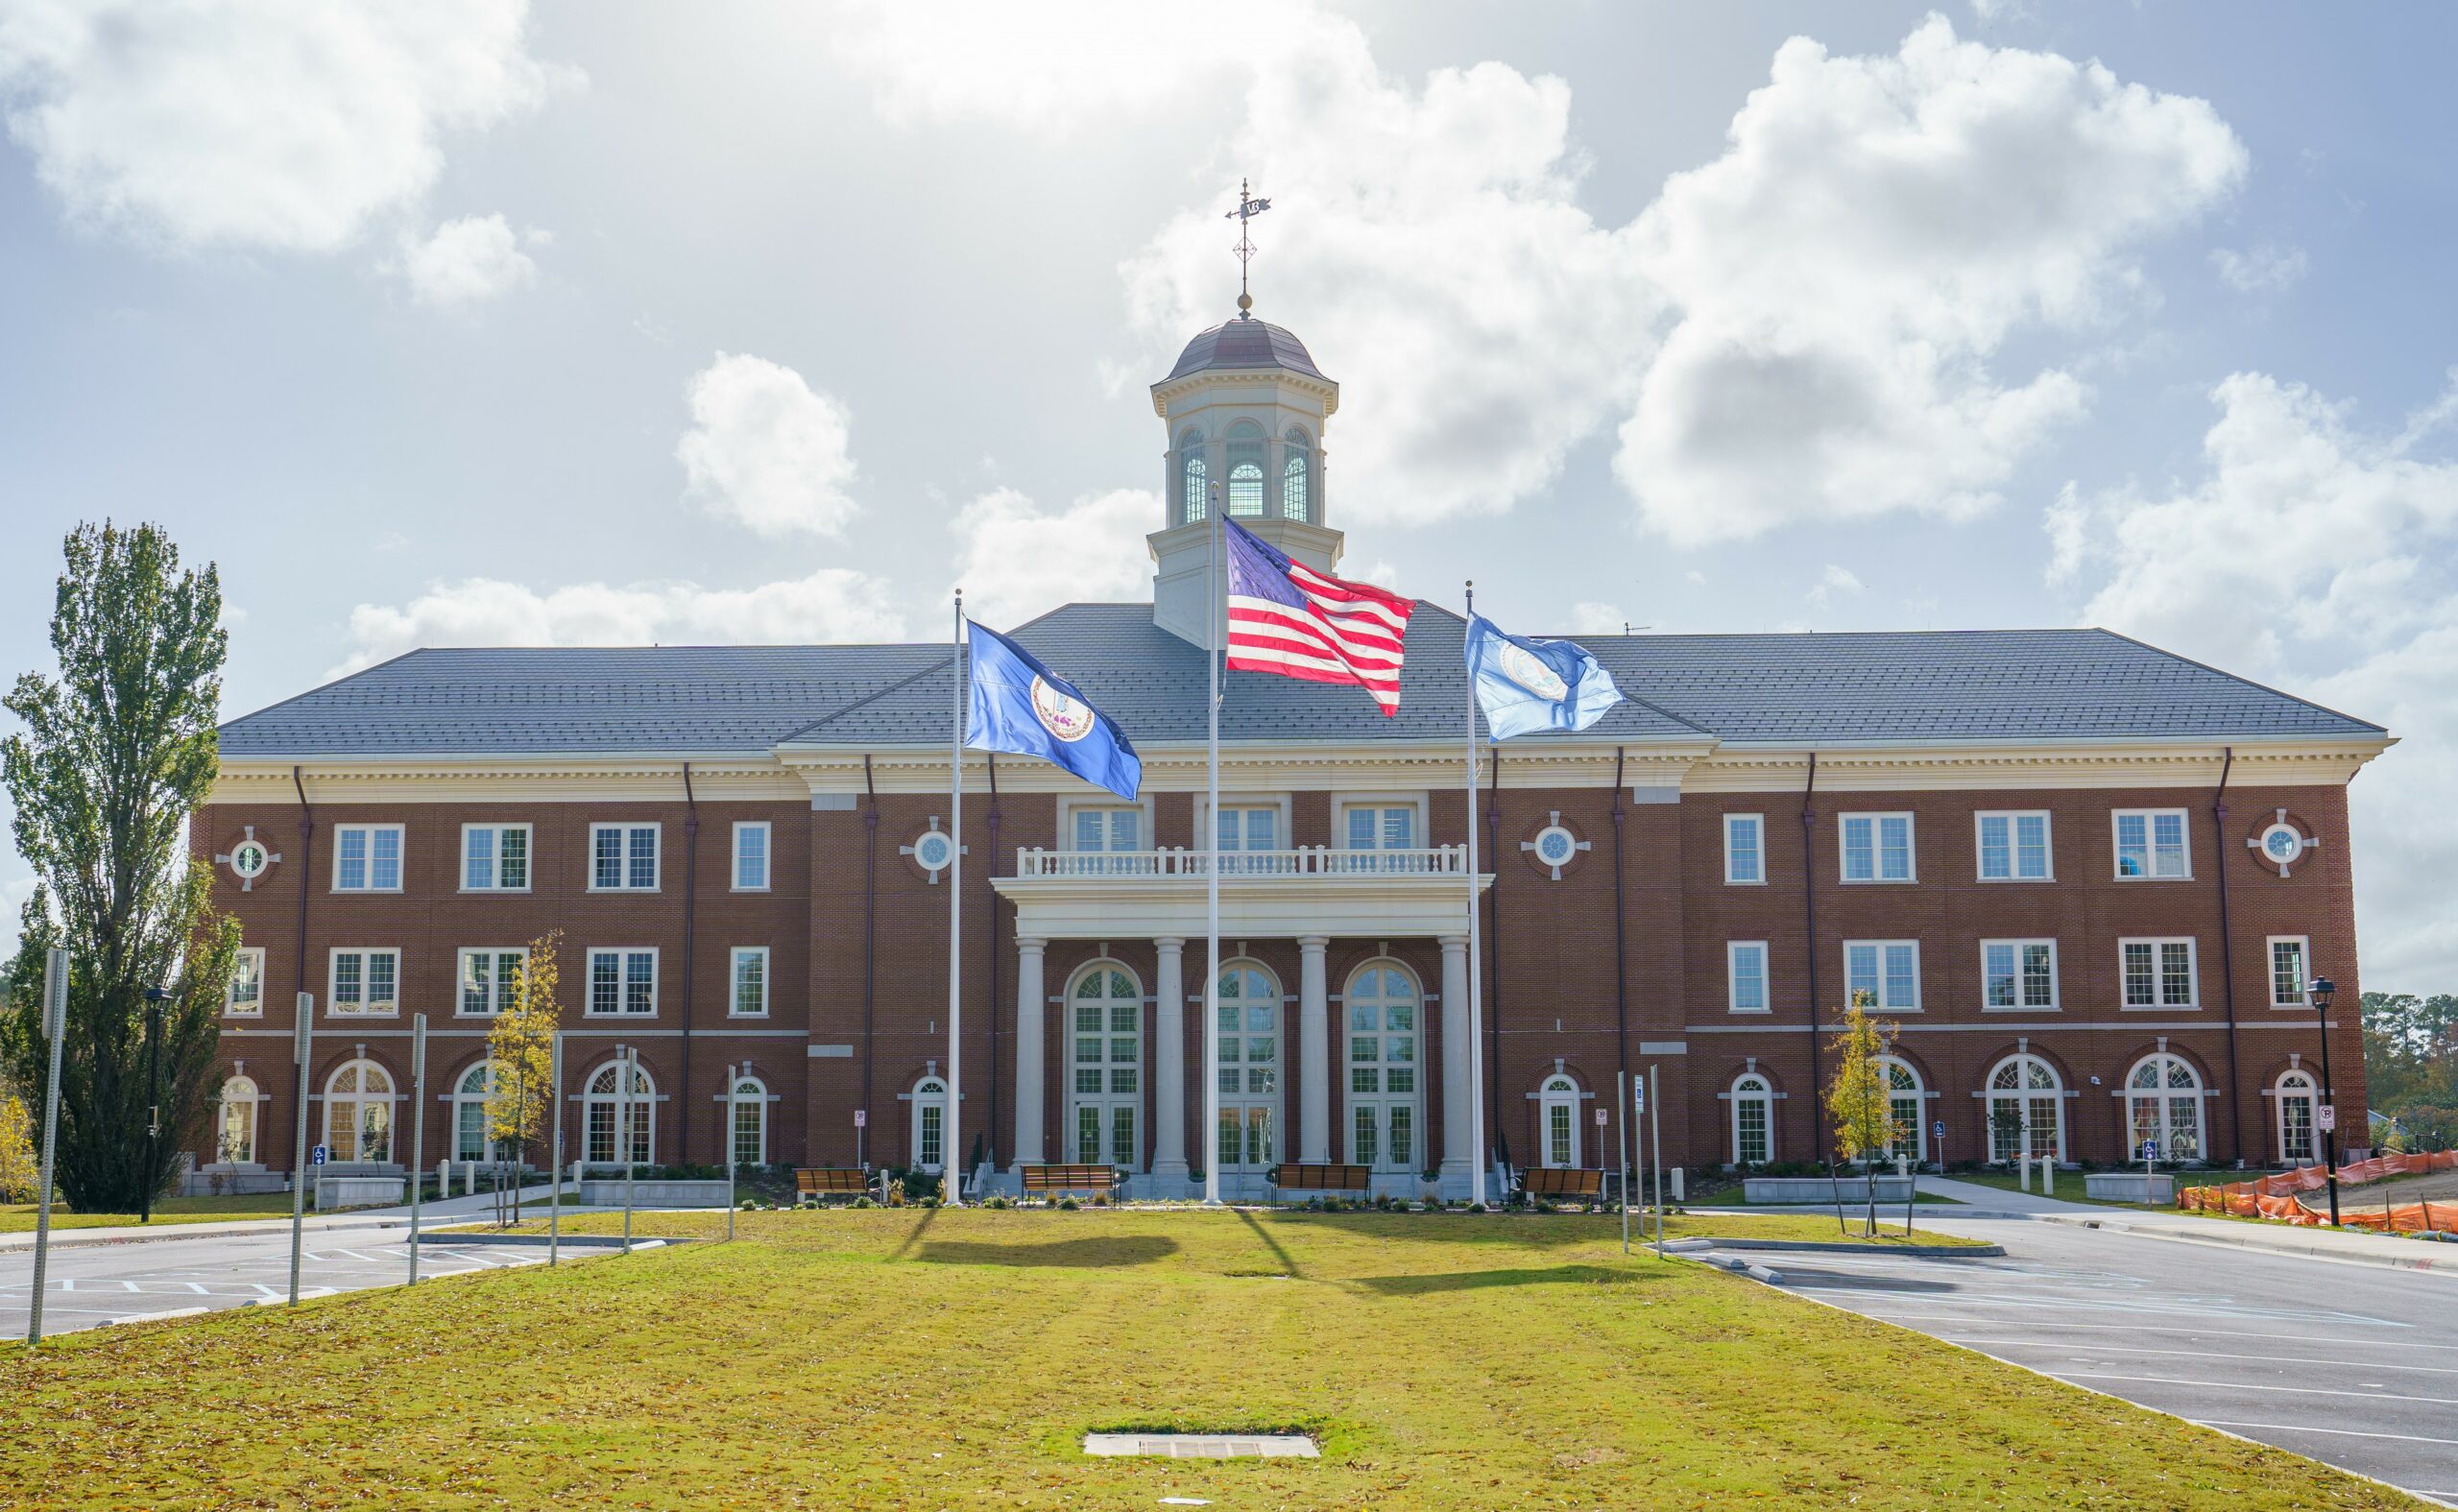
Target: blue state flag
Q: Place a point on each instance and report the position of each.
(1526, 685)
(1020, 705)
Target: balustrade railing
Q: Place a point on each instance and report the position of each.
(1448, 860)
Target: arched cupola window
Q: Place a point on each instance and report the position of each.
(1245, 463)
(1194, 478)
(1296, 473)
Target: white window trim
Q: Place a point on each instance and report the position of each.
(589, 980)
(1549, 1096)
(1342, 803)
(1204, 829)
(530, 851)
(626, 827)
(1760, 880)
(1067, 808)
(2055, 976)
(1732, 975)
(460, 974)
(2116, 848)
(734, 980)
(1877, 847)
(2014, 843)
(402, 851)
(2193, 965)
(2269, 973)
(1735, 1097)
(628, 1126)
(1883, 1006)
(752, 1093)
(246, 954)
(332, 976)
(2054, 1094)
(934, 1097)
(2307, 1086)
(767, 857)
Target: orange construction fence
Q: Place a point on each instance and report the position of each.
(2274, 1196)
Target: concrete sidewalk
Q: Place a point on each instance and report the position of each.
(447, 1212)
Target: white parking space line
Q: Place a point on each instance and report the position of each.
(2239, 1385)
(2197, 1354)
(2307, 1428)
(2139, 1328)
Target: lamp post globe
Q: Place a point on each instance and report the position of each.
(2321, 992)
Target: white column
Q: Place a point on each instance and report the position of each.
(1314, 1060)
(1457, 1088)
(1031, 1002)
(1169, 1060)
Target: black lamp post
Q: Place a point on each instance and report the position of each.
(155, 999)
(2322, 990)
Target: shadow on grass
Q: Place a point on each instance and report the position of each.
(1524, 1276)
(1091, 1254)
(1288, 1265)
(913, 1237)
(1514, 1231)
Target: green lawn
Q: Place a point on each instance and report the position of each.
(925, 1359)
(20, 1217)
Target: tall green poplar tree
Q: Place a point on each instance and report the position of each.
(116, 753)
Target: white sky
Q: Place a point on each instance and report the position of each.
(455, 322)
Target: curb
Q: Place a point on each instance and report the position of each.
(1826, 1247)
(2225, 1233)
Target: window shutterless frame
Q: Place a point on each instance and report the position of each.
(1889, 969)
(1876, 848)
(2288, 958)
(2019, 976)
(621, 982)
(498, 858)
(2157, 972)
(245, 997)
(2011, 845)
(369, 858)
(1745, 850)
(484, 978)
(1746, 976)
(753, 856)
(362, 982)
(747, 983)
(2152, 845)
(624, 858)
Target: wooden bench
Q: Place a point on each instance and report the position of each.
(1046, 1180)
(1293, 1176)
(823, 1182)
(1563, 1180)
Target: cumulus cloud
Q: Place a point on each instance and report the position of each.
(1023, 65)
(467, 261)
(2258, 269)
(204, 123)
(1019, 560)
(833, 604)
(1591, 618)
(1833, 583)
(765, 451)
(2323, 557)
(1875, 232)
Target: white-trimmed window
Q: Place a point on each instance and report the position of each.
(2290, 956)
(1243, 830)
(2026, 1110)
(749, 1117)
(750, 856)
(1244, 458)
(1746, 849)
(1248, 1026)
(611, 1122)
(1378, 827)
(235, 1126)
(1753, 1119)
(749, 998)
(1877, 848)
(2151, 845)
(931, 1124)
(2297, 1095)
(358, 1113)
(1097, 829)
(1194, 478)
(2163, 1102)
(2159, 973)
(366, 982)
(366, 858)
(490, 976)
(1557, 1116)
(494, 858)
(246, 999)
(1889, 971)
(2018, 975)
(1105, 1065)
(1745, 974)
(622, 981)
(1296, 502)
(2013, 846)
(1385, 1023)
(470, 1142)
(1905, 1106)
(622, 858)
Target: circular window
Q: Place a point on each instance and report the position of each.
(250, 860)
(1554, 845)
(932, 851)
(2281, 844)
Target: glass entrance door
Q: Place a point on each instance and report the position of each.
(1249, 1030)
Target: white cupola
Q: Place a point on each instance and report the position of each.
(1245, 409)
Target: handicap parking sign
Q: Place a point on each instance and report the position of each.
(2150, 1149)
(1939, 1128)
(316, 1159)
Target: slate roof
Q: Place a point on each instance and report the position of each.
(1976, 687)
(1245, 342)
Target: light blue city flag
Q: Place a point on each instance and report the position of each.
(1526, 685)
(1020, 705)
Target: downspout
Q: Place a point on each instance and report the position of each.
(870, 922)
(1621, 959)
(988, 870)
(1493, 956)
(1809, 911)
(2227, 959)
(690, 906)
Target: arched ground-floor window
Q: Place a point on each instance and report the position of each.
(1906, 1107)
(1247, 1025)
(2026, 1110)
(2164, 1104)
(235, 1140)
(358, 1113)
(1557, 1121)
(930, 1146)
(2297, 1095)
(1753, 1119)
(1385, 1018)
(1104, 1067)
(470, 1142)
(606, 1112)
(748, 1117)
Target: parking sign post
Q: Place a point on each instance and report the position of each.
(55, 1028)
(418, 1132)
(1621, 1084)
(555, 1187)
(303, 1048)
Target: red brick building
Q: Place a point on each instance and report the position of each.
(2087, 879)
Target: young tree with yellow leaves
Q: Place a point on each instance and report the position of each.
(522, 1049)
(1860, 1097)
(20, 1170)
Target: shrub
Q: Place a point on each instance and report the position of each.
(1477, 1207)
(863, 1201)
(1068, 1205)
(1001, 1203)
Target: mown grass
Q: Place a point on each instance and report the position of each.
(18, 1217)
(934, 1358)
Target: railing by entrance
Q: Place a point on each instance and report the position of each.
(1448, 860)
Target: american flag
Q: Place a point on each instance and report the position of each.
(1285, 617)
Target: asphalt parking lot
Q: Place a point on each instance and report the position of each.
(95, 1286)
(2353, 1365)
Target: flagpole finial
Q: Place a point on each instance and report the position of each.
(1248, 207)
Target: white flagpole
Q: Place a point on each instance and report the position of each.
(1476, 975)
(951, 1143)
(1218, 614)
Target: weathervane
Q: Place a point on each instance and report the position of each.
(1248, 207)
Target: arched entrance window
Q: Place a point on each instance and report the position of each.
(1384, 1019)
(2163, 1102)
(235, 1142)
(929, 1145)
(1248, 1026)
(1753, 1119)
(748, 1115)
(2299, 1095)
(603, 1100)
(1905, 1106)
(470, 1142)
(1105, 1064)
(358, 1113)
(2026, 1100)
(1557, 1121)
